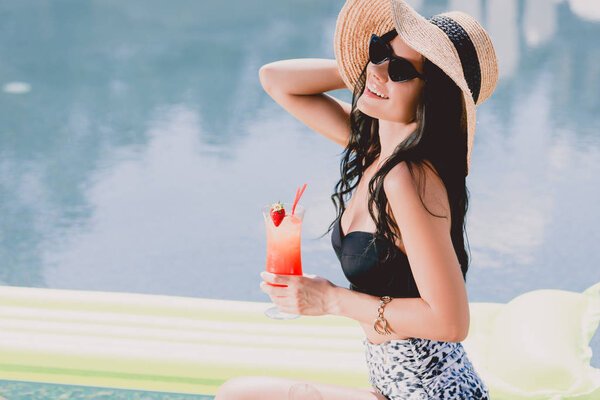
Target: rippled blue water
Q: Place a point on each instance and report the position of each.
(19, 390)
(137, 146)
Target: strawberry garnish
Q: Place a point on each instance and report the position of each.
(277, 213)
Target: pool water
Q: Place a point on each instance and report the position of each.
(17, 390)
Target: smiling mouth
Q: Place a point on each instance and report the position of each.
(375, 94)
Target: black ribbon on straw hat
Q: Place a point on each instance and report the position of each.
(466, 51)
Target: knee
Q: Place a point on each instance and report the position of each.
(267, 387)
(238, 388)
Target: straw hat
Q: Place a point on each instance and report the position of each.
(454, 41)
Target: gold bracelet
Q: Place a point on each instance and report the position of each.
(384, 301)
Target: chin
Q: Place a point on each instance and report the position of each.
(367, 109)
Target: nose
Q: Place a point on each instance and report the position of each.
(379, 72)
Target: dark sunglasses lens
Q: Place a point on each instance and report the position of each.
(378, 51)
(401, 70)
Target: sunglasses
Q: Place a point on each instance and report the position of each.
(399, 69)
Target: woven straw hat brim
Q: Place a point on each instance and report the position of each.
(359, 19)
(433, 43)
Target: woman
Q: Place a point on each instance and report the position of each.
(408, 135)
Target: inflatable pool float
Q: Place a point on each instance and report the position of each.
(534, 347)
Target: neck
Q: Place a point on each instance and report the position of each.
(391, 134)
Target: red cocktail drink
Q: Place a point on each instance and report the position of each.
(283, 246)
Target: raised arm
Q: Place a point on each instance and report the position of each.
(298, 85)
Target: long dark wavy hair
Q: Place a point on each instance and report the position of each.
(440, 138)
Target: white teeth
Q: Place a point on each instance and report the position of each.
(374, 91)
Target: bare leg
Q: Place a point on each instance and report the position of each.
(276, 388)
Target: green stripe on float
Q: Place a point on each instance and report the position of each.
(283, 346)
(153, 382)
(126, 368)
(110, 374)
(128, 320)
(154, 305)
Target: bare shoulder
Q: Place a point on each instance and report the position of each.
(404, 185)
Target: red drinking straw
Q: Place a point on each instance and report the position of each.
(298, 195)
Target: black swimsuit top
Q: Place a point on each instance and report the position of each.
(364, 269)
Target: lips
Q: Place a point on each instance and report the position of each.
(373, 93)
(368, 93)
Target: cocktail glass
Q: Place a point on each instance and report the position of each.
(283, 249)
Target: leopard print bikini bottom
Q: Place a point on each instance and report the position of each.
(420, 369)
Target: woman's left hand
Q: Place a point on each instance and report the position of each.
(304, 294)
